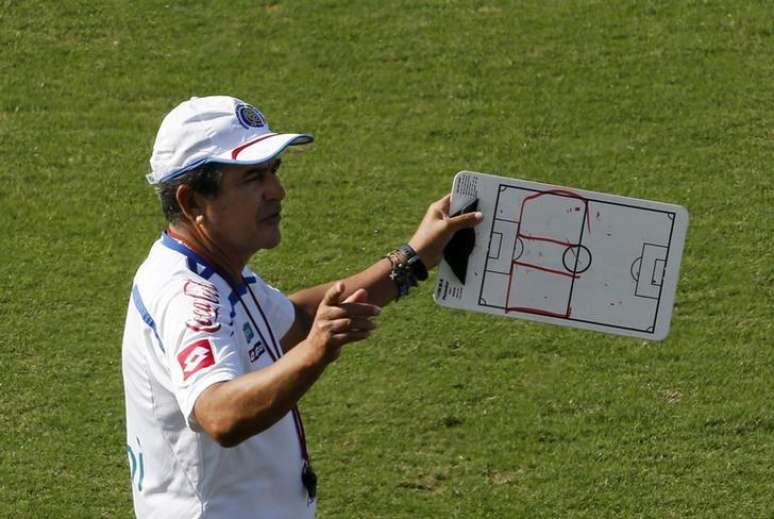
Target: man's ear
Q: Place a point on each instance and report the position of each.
(190, 203)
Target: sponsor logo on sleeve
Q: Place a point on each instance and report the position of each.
(205, 306)
(256, 351)
(258, 348)
(196, 356)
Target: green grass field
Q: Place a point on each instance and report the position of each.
(442, 413)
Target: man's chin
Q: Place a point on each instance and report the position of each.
(271, 241)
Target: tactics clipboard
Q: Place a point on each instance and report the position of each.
(564, 256)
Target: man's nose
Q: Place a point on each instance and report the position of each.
(274, 190)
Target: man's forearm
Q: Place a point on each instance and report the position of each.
(233, 411)
(375, 280)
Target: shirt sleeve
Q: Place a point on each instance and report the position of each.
(279, 310)
(201, 348)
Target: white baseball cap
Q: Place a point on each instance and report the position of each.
(215, 129)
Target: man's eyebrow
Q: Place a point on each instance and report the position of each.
(262, 168)
(255, 171)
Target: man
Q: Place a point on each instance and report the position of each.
(214, 359)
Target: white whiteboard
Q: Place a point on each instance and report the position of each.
(567, 256)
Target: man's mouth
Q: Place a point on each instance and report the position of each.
(274, 217)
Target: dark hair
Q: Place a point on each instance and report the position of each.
(205, 180)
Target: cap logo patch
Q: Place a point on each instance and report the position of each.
(249, 116)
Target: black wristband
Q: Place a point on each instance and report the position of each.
(406, 273)
(414, 262)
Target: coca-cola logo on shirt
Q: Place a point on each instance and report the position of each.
(205, 306)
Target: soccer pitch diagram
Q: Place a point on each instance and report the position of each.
(565, 256)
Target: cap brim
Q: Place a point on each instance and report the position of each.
(264, 148)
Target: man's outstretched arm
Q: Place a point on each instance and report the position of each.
(429, 240)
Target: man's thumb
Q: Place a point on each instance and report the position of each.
(466, 220)
(358, 296)
(333, 296)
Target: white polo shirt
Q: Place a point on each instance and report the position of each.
(186, 329)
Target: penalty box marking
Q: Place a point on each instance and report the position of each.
(651, 262)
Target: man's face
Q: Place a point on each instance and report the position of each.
(245, 216)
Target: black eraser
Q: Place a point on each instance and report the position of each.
(461, 245)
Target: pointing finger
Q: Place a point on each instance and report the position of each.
(360, 309)
(343, 310)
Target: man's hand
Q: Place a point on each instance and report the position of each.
(437, 228)
(340, 322)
